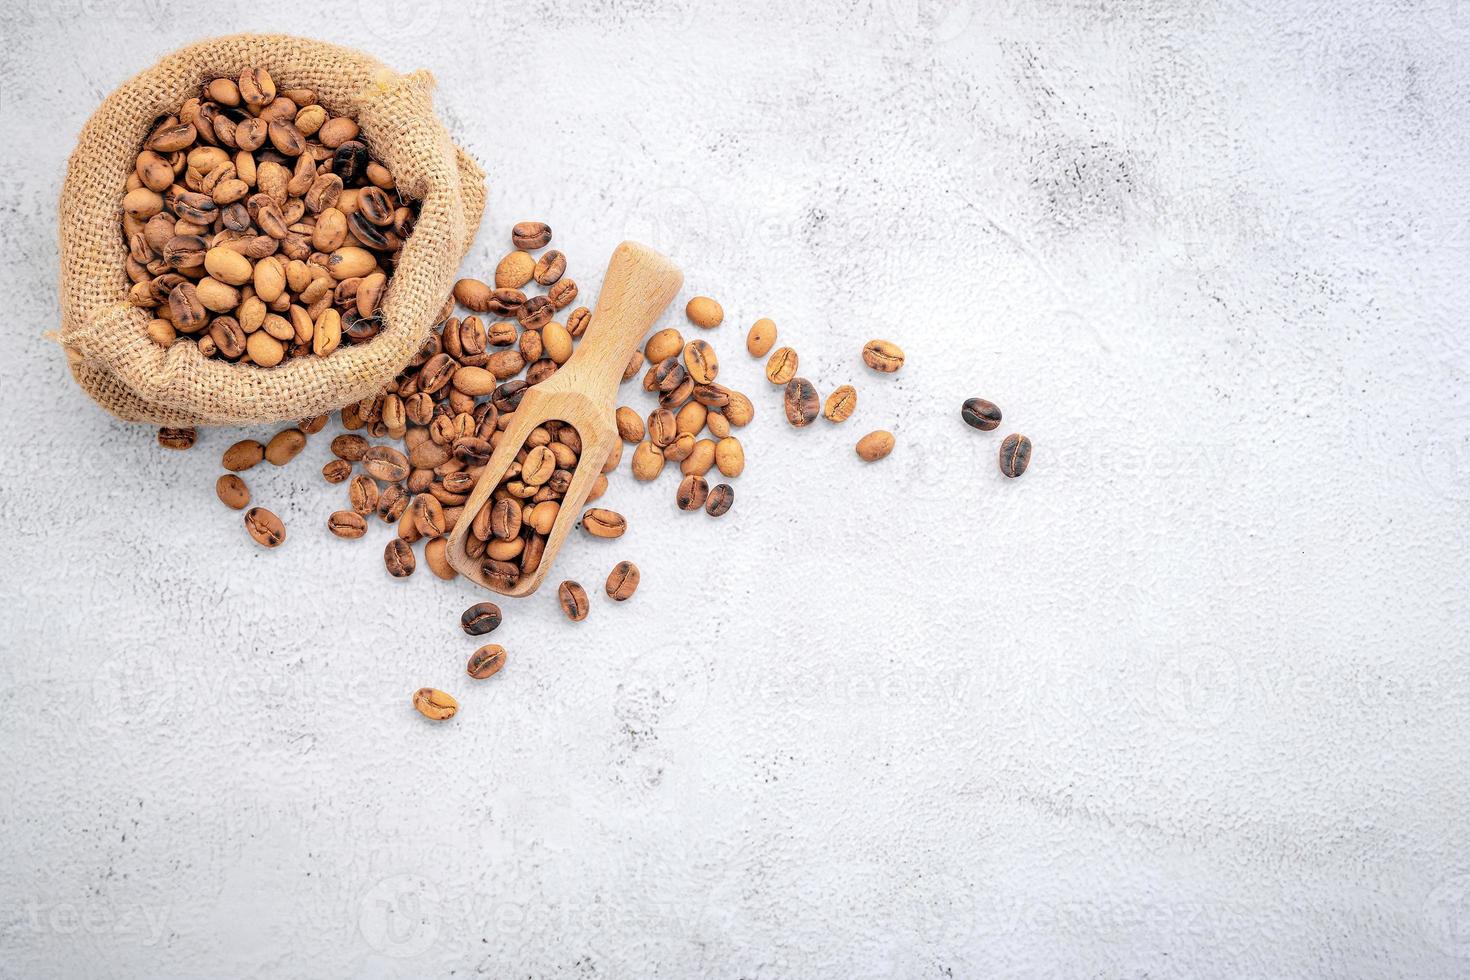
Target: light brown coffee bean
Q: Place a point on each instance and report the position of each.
(700, 459)
(718, 425)
(762, 337)
(602, 523)
(232, 491)
(630, 426)
(663, 427)
(473, 294)
(663, 345)
(436, 556)
(243, 455)
(515, 270)
(781, 367)
(648, 462)
(882, 355)
(573, 599)
(622, 581)
(840, 404)
(505, 519)
(720, 498)
(284, 446)
(700, 362)
(730, 456)
(801, 402)
(434, 704)
(266, 528)
(704, 312)
(692, 492)
(550, 267)
(530, 234)
(347, 524)
(875, 445)
(739, 410)
(336, 470)
(385, 463)
(680, 449)
(398, 558)
(486, 661)
(428, 514)
(362, 494)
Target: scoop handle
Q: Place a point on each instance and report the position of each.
(637, 287)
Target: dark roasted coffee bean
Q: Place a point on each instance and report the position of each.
(669, 374)
(428, 515)
(719, 500)
(507, 397)
(472, 450)
(504, 302)
(980, 414)
(535, 313)
(622, 581)
(374, 205)
(392, 502)
(362, 229)
(347, 524)
(1015, 455)
(501, 574)
(479, 619)
(550, 267)
(266, 528)
(711, 395)
(398, 557)
(350, 447)
(529, 234)
(350, 160)
(802, 404)
(531, 554)
(177, 438)
(486, 661)
(692, 492)
(336, 470)
(573, 599)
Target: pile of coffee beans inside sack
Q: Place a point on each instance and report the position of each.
(410, 455)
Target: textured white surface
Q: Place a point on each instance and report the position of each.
(1189, 699)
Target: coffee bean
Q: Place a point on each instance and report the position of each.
(648, 462)
(704, 312)
(392, 502)
(347, 524)
(385, 463)
(232, 491)
(573, 599)
(505, 519)
(602, 523)
(840, 404)
(875, 445)
(434, 704)
(481, 618)
(762, 337)
(730, 456)
(362, 493)
(980, 414)
(781, 367)
(398, 557)
(530, 234)
(177, 438)
(663, 345)
(550, 267)
(336, 470)
(266, 528)
(630, 426)
(700, 362)
(428, 514)
(350, 447)
(436, 556)
(882, 355)
(284, 446)
(486, 661)
(1015, 455)
(243, 455)
(622, 581)
(516, 269)
(692, 492)
(802, 404)
(719, 500)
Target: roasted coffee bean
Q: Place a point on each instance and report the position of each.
(349, 161)
(232, 491)
(882, 355)
(730, 456)
(802, 404)
(875, 445)
(700, 362)
(284, 446)
(573, 599)
(663, 428)
(398, 557)
(505, 302)
(434, 704)
(630, 426)
(501, 574)
(1015, 455)
(516, 269)
(577, 322)
(347, 524)
(669, 374)
(622, 581)
(562, 294)
(739, 410)
(980, 414)
(385, 463)
(602, 523)
(550, 267)
(704, 312)
(177, 438)
(762, 337)
(243, 455)
(530, 235)
(428, 514)
(349, 446)
(712, 395)
(535, 313)
(719, 500)
(781, 367)
(266, 528)
(392, 502)
(840, 404)
(692, 492)
(436, 556)
(336, 470)
(479, 619)
(472, 451)
(486, 661)
(314, 424)
(362, 494)
(663, 345)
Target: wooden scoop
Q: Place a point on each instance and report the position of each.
(636, 289)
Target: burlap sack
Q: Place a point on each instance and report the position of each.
(104, 337)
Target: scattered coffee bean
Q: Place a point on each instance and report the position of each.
(730, 456)
(980, 414)
(481, 618)
(550, 267)
(177, 438)
(486, 661)
(436, 556)
(802, 403)
(622, 581)
(385, 463)
(700, 362)
(232, 491)
(284, 446)
(266, 528)
(692, 492)
(243, 455)
(602, 523)
(719, 500)
(515, 270)
(434, 704)
(398, 557)
(347, 524)
(336, 470)
(573, 599)
(840, 404)
(362, 493)
(875, 445)
(762, 337)
(531, 234)
(1015, 455)
(882, 355)
(781, 367)
(704, 312)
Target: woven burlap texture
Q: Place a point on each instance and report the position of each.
(105, 338)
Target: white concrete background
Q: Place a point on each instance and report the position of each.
(1189, 699)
